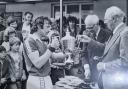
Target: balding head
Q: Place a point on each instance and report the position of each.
(114, 11)
(113, 17)
(92, 25)
(91, 20)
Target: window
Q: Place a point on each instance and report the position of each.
(57, 11)
(72, 8)
(79, 10)
(85, 10)
(16, 15)
(87, 7)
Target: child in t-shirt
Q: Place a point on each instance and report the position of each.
(17, 73)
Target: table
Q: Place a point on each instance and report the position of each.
(56, 87)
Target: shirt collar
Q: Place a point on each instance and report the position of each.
(98, 31)
(117, 27)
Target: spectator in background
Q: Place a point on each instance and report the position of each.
(11, 23)
(65, 24)
(17, 73)
(76, 69)
(9, 33)
(23, 31)
(47, 25)
(72, 26)
(54, 29)
(25, 27)
(4, 69)
(28, 16)
(2, 28)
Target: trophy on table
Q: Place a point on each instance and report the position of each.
(70, 47)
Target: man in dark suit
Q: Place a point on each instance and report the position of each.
(97, 27)
(114, 61)
(96, 30)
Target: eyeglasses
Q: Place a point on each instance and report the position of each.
(90, 27)
(107, 20)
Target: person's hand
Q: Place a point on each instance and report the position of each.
(87, 72)
(97, 58)
(24, 77)
(13, 79)
(84, 38)
(2, 55)
(54, 66)
(3, 80)
(55, 43)
(101, 66)
(59, 55)
(68, 66)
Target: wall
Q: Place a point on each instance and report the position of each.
(37, 9)
(101, 5)
(45, 8)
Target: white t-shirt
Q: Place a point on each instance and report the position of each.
(26, 30)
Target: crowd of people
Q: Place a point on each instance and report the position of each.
(29, 51)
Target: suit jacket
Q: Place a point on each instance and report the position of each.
(89, 53)
(103, 35)
(115, 56)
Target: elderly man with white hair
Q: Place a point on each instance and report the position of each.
(98, 33)
(95, 30)
(92, 27)
(114, 61)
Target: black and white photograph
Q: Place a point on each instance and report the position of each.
(63, 44)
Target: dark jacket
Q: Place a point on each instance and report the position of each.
(89, 53)
(103, 35)
(4, 68)
(1, 37)
(12, 68)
